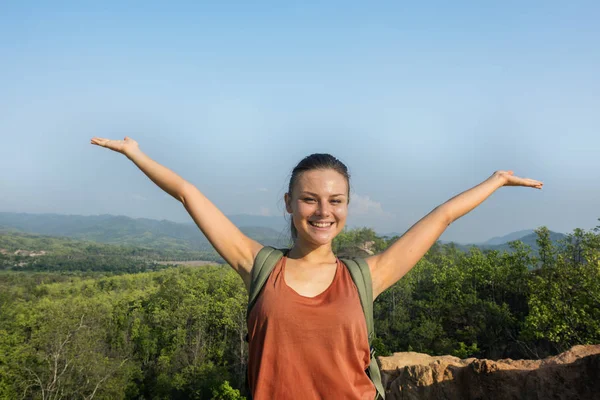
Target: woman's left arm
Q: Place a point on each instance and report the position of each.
(392, 264)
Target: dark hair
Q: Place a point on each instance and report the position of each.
(312, 162)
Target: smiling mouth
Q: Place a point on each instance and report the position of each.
(320, 224)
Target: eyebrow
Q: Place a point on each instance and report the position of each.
(316, 195)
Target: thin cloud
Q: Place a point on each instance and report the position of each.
(262, 189)
(363, 205)
(138, 197)
(265, 212)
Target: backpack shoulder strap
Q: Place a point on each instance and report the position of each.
(265, 261)
(361, 275)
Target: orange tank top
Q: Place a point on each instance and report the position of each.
(308, 347)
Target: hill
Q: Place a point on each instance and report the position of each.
(507, 238)
(186, 237)
(126, 231)
(528, 237)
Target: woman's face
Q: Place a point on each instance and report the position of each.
(319, 205)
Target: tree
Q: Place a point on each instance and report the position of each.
(564, 304)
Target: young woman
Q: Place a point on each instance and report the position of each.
(308, 337)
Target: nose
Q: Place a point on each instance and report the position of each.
(324, 209)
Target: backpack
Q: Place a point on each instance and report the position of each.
(268, 257)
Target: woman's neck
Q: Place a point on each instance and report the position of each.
(310, 253)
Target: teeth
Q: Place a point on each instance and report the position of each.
(321, 225)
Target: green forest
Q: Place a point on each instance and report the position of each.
(97, 321)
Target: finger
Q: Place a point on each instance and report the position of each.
(534, 183)
(102, 142)
(527, 182)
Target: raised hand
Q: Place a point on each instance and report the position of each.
(509, 179)
(125, 146)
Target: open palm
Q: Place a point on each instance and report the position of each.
(510, 179)
(121, 146)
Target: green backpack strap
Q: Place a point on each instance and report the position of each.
(265, 261)
(361, 275)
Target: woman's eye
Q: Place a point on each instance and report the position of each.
(308, 199)
(336, 201)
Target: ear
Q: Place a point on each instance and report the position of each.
(288, 203)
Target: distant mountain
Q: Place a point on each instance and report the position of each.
(507, 238)
(276, 223)
(500, 243)
(128, 231)
(165, 234)
(528, 237)
(390, 235)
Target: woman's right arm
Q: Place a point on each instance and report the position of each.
(236, 248)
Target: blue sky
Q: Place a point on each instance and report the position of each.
(421, 101)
